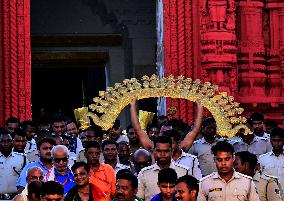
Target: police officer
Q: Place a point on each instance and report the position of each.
(226, 184)
(266, 185)
(148, 176)
(202, 147)
(11, 164)
(272, 163)
(252, 143)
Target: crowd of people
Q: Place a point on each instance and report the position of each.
(52, 160)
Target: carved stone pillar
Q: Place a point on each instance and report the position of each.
(281, 30)
(274, 67)
(218, 44)
(251, 52)
(15, 65)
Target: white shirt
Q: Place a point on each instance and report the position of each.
(120, 166)
(10, 168)
(191, 162)
(30, 146)
(79, 146)
(273, 165)
(122, 138)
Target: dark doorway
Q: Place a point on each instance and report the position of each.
(63, 88)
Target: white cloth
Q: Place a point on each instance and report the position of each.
(273, 165)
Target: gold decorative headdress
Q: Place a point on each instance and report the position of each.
(82, 118)
(145, 118)
(223, 108)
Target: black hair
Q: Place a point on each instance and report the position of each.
(257, 116)
(163, 140)
(271, 123)
(116, 124)
(208, 120)
(190, 181)
(80, 164)
(12, 120)
(71, 121)
(26, 123)
(107, 142)
(19, 132)
(128, 128)
(92, 144)
(43, 120)
(97, 129)
(45, 140)
(149, 127)
(222, 146)
(127, 175)
(167, 175)
(247, 157)
(57, 118)
(34, 188)
(279, 132)
(52, 188)
(173, 133)
(5, 132)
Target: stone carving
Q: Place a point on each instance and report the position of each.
(221, 14)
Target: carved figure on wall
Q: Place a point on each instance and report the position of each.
(219, 11)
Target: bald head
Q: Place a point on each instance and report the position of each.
(142, 158)
(34, 174)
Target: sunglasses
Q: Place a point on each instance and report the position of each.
(57, 160)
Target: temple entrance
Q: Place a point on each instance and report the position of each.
(62, 88)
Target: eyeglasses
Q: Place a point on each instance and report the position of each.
(83, 174)
(57, 160)
(35, 178)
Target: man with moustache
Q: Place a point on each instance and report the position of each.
(272, 163)
(82, 190)
(60, 171)
(257, 123)
(73, 134)
(11, 164)
(33, 174)
(186, 188)
(226, 184)
(142, 158)
(19, 141)
(148, 176)
(266, 185)
(110, 152)
(45, 163)
(126, 187)
(102, 176)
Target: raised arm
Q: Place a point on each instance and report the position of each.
(190, 137)
(142, 135)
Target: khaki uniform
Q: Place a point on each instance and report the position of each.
(202, 150)
(258, 146)
(239, 188)
(267, 187)
(148, 179)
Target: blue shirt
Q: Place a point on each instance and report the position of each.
(67, 180)
(22, 179)
(159, 197)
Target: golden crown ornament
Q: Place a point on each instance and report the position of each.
(223, 108)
